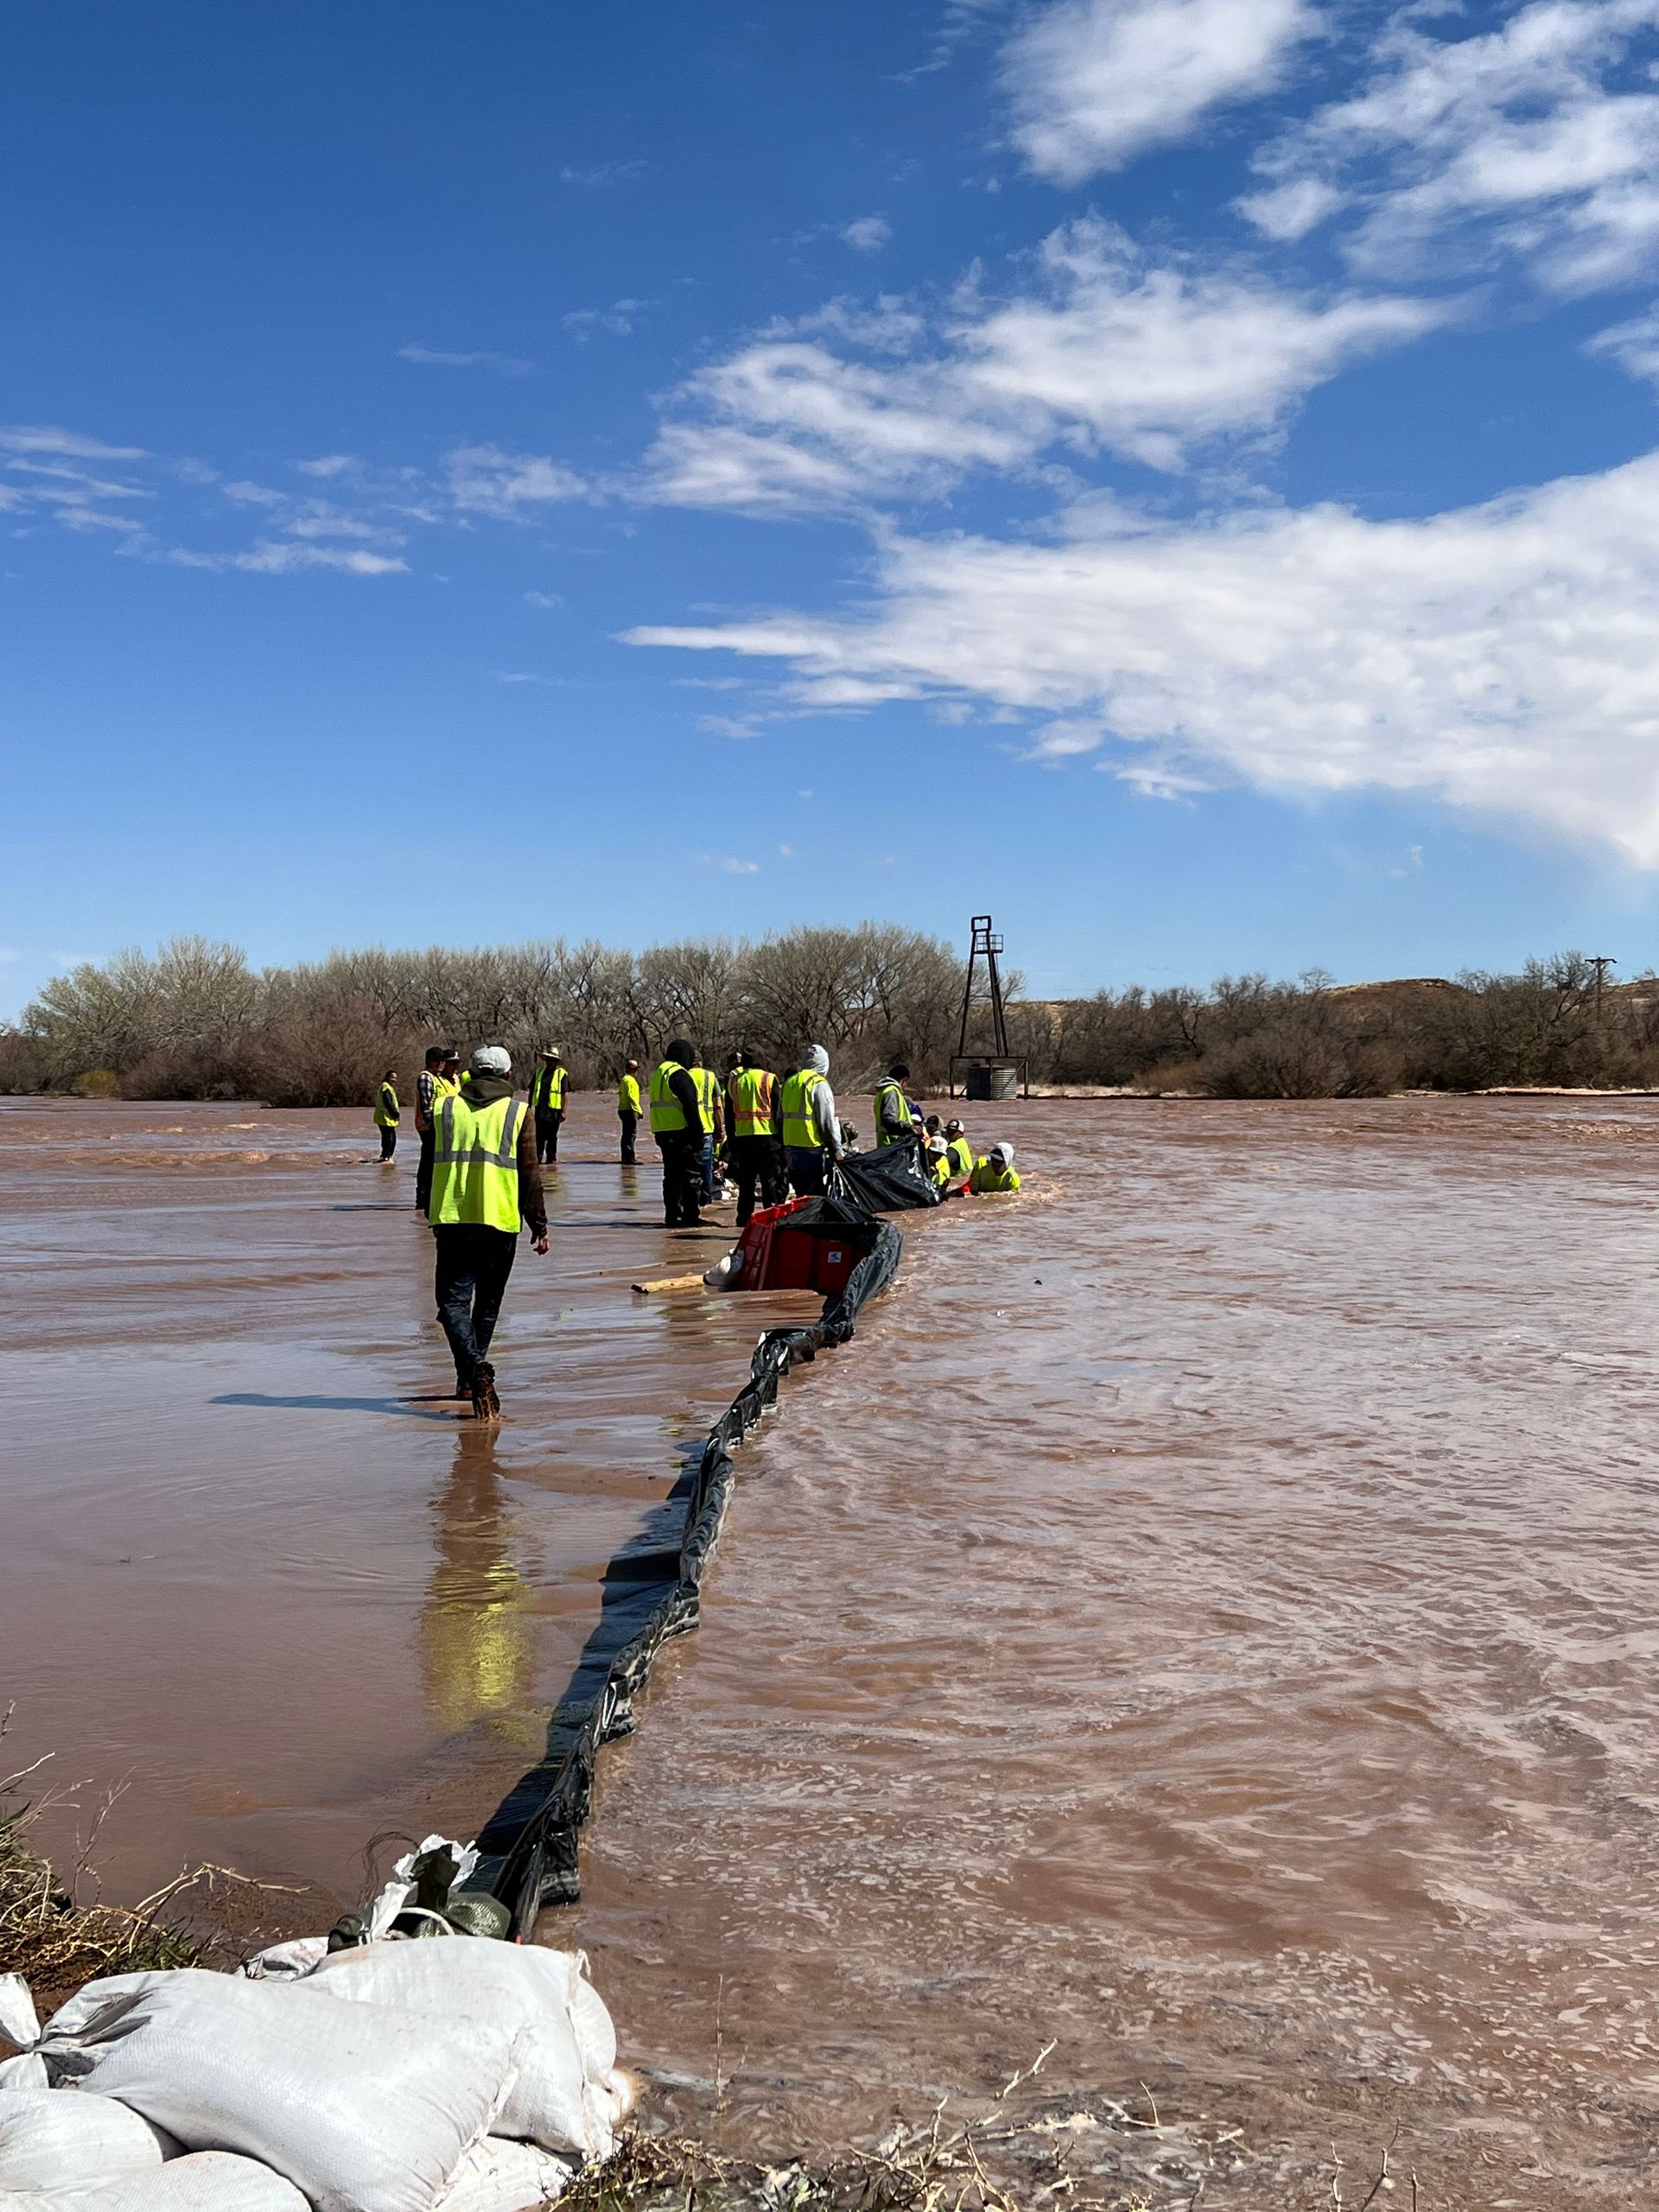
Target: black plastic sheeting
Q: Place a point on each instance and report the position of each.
(529, 1845)
(888, 1180)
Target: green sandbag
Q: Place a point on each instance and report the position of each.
(475, 1912)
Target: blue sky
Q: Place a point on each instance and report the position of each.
(1180, 473)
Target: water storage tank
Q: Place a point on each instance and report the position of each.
(993, 1079)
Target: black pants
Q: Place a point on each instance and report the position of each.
(762, 1176)
(682, 1151)
(388, 1140)
(423, 1173)
(806, 1171)
(630, 1123)
(474, 1264)
(547, 1131)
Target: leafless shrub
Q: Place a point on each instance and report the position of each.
(193, 1020)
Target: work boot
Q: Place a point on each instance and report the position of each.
(463, 1385)
(486, 1405)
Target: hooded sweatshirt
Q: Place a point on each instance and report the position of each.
(485, 1090)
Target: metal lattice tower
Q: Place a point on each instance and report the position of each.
(986, 945)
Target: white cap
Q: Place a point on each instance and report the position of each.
(1004, 1153)
(817, 1058)
(491, 1060)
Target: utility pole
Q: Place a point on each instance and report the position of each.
(1601, 962)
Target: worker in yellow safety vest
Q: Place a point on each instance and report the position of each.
(386, 1112)
(811, 1129)
(711, 1101)
(893, 1108)
(757, 1150)
(677, 1125)
(547, 1101)
(627, 1109)
(995, 1172)
(436, 1080)
(957, 1144)
(485, 1180)
(935, 1162)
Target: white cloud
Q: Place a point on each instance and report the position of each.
(1095, 82)
(22, 437)
(506, 364)
(1539, 138)
(733, 866)
(542, 599)
(867, 233)
(1497, 657)
(603, 174)
(486, 479)
(1634, 346)
(255, 495)
(1100, 349)
(618, 319)
(282, 558)
(328, 464)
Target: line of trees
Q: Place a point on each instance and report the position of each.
(195, 1020)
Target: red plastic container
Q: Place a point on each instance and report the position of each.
(776, 1257)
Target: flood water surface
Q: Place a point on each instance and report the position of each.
(1206, 1620)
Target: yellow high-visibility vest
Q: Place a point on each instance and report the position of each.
(986, 1178)
(475, 1164)
(667, 1114)
(547, 1088)
(385, 1108)
(627, 1095)
(960, 1153)
(884, 1135)
(799, 1127)
(708, 1084)
(444, 1086)
(752, 1089)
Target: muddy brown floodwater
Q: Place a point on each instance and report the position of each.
(1206, 1620)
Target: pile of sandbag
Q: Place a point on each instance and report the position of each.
(401, 2075)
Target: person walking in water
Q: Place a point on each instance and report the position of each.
(547, 1100)
(677, 1124)
(386, 1115)
(485, 1180)
(710, 1103)
(756, 1156)
(627, 1109)
(811, 1129)
(957, 1144)
(893, 1108)
(995, 1172)
(436, 1080)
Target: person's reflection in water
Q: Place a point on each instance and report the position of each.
(477, 1630)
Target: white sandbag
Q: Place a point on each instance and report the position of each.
(63, 2138)
(497, 2176)
(92, 1997)
(26, 2071)
(209, 2181)
(286, 1962)
(363, 2107)
(19, 2022)
(563, 2098)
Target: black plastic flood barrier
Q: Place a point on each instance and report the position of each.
(528, 1847)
